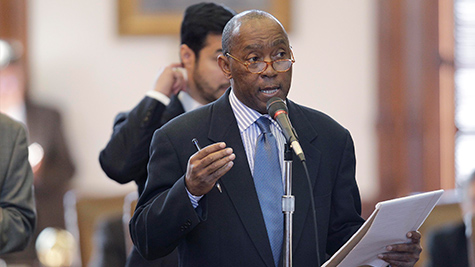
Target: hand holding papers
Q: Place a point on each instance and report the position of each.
(388, 224)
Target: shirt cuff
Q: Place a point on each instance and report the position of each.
(158, 96)
(194, 199)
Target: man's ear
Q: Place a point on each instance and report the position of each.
(223, 63)
(187, 56)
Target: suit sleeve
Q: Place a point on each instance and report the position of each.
(125, 157)
(17, 206)
(164, 214)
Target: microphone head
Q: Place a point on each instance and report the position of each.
(276, 104)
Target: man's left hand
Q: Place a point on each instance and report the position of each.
(405, 254)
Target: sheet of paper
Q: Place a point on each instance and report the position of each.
(388, 224)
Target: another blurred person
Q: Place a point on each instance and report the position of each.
(452, 244)
(180, 87)
(17, 204)
(54, 170)
(110, 249)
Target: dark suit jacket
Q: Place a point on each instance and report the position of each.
(53, 179)
(17, 203)
(447, 246)
(227, 229)
(126, 155)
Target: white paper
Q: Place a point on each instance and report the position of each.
(389, 224)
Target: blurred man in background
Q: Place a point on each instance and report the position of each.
(17, 204)
(452, 245)
(53, 167)
(180, 87)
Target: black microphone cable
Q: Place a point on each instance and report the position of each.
(314, 212)
(275, 107)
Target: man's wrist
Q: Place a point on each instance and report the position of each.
(159, 97)
(194, 199)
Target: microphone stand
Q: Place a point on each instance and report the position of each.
(288, 206)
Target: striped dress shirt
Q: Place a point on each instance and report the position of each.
(246, 118)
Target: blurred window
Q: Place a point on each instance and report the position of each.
(464, 18)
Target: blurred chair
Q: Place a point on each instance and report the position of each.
(82, 214)
(446, 211)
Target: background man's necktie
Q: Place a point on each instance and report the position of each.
(268, 182)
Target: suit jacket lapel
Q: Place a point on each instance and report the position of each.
(238, 182)
(306, 134)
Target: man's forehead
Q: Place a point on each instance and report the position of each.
(213, 41)
(258, 26)
(253, 40)
(211, 38)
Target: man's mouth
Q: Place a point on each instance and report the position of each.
(269, 91)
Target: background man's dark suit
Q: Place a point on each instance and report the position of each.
(448, 246)
(132, 135)
(227, 229)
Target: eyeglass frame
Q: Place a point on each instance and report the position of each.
(291, 60)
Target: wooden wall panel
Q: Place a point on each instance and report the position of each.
(409, 110)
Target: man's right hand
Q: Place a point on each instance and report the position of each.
(206, 166)
(171, 80)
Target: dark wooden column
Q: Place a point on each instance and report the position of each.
(409, 103)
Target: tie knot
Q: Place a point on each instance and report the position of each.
(264, 124)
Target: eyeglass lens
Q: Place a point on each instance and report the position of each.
(279, 65)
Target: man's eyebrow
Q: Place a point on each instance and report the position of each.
(279, 42)
(253, 47)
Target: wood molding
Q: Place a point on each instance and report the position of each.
(409, 98)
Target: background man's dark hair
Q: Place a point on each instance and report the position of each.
(203, 19)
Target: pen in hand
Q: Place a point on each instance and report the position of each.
(197, 145)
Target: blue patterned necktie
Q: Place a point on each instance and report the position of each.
(268, 182)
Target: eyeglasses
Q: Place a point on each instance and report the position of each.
(258, 67)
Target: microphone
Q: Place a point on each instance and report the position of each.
(277, 109)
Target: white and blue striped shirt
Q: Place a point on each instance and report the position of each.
(246, 118)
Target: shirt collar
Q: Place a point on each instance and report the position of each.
(17, 112)
(188, 102)
(245, 116)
